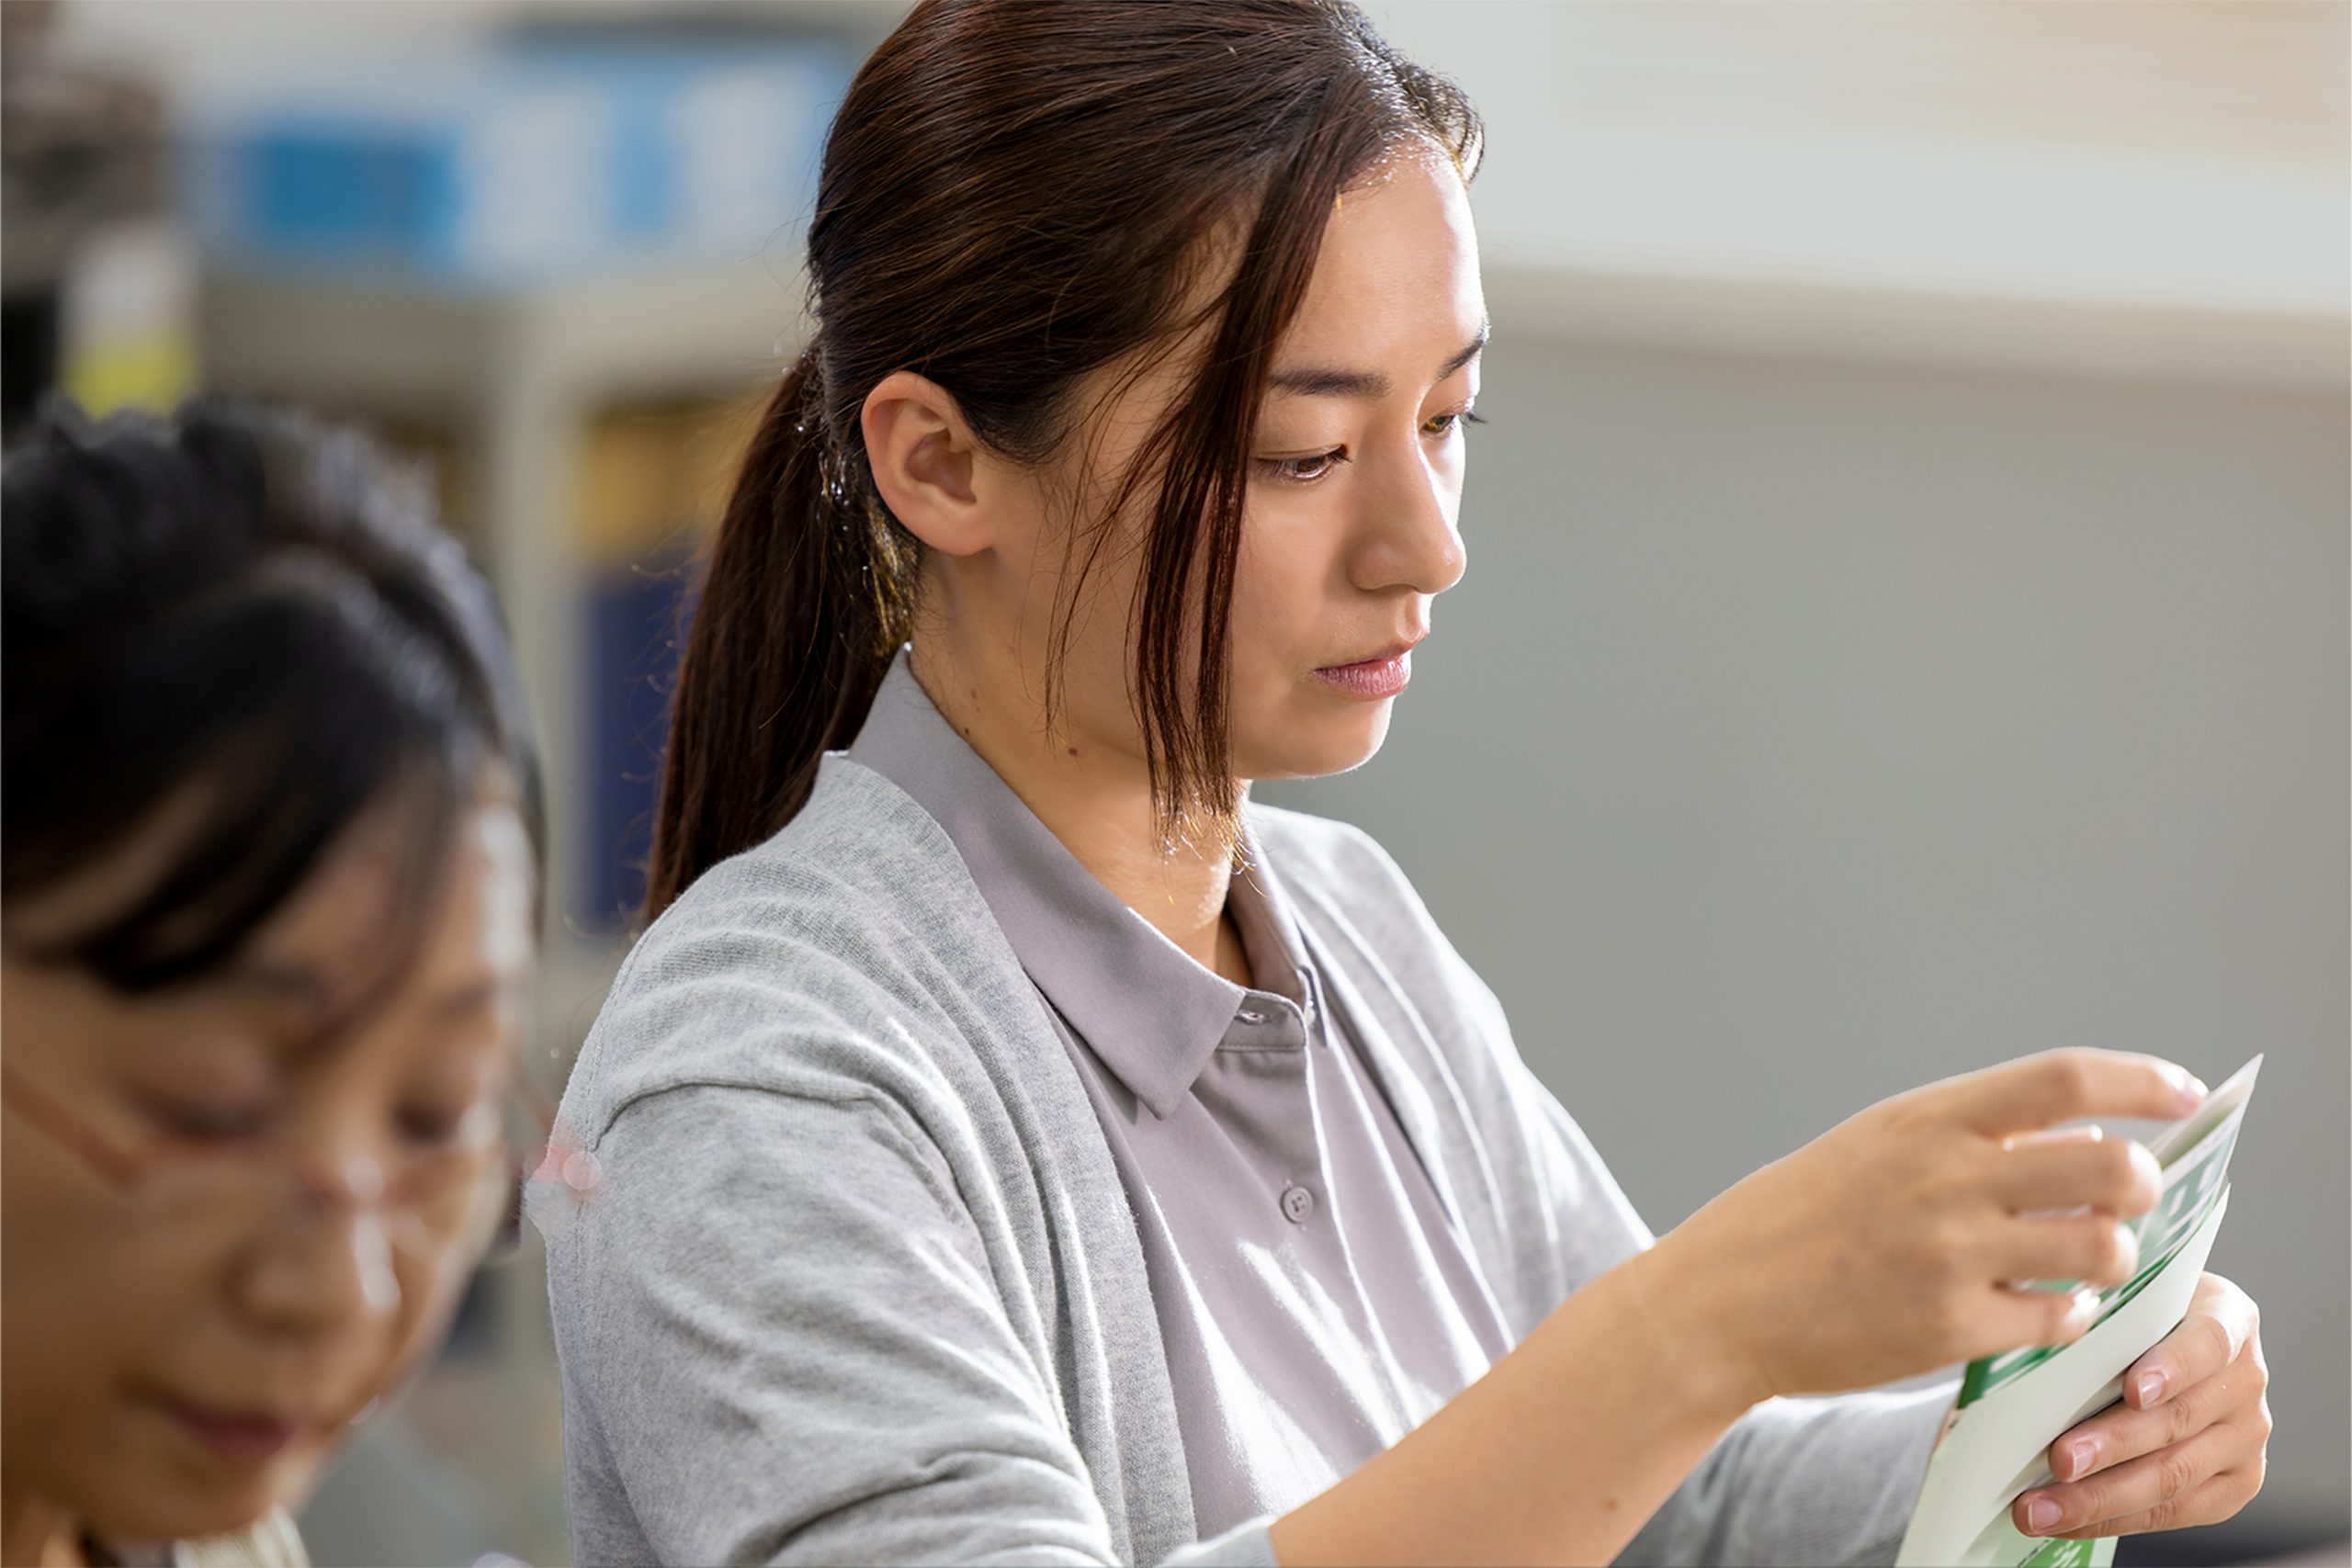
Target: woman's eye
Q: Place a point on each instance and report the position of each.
(432, 1124)
(1445, 423)
(210, 1123)
(1305, 470)
(441, 1126)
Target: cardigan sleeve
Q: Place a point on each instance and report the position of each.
(777, 1326)
(1827, 1483)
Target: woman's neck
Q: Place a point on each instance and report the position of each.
(1100, 806)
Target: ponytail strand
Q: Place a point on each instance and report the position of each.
(807, 594)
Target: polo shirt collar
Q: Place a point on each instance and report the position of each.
(1149, 1013)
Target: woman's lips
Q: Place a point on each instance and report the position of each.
(1374, 677)
(239, 1438)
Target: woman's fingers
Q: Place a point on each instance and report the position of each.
(2006, 1319)
(2078, 1167)
(2190, 1459)
(2172, 1482)
(2063, 1086)
(2222, 1322)
(2121, 1433)
(2211, 1502)
(2094, 1248)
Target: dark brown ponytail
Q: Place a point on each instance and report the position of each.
(803, 599)
(1016, 193)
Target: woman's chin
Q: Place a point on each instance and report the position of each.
(165, 1511)
(174, 1490)
(1323, 746)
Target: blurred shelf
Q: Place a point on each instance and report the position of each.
(515, 378)
(409, 350)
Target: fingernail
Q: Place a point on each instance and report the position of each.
(2150, 1385)
(2041, 1514)
(2190, 1087)
(2080, 1455)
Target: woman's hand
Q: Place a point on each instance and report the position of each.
(2187, 1449)
(1889, 1246)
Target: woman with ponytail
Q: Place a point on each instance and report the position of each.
(1018, 1146)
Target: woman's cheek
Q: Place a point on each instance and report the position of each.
(429, 1296)
(1282, 576)
(96, 1312)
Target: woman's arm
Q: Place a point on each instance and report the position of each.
(1556, 1455)
(1809, 1483)
(1877, 1252)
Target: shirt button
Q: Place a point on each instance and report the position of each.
(1252, 1015)
(1298, 1205)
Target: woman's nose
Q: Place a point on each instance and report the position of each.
(1411, 540)
(324, 1262)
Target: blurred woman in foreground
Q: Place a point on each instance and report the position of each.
(271, 852)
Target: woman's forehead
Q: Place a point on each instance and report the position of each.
(472, 927)
(1398, 274)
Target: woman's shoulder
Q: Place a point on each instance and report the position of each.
(862, 876)
(1349, 889)
(825, 961)
(1328, 856)
(1334, 867)
(860, 850)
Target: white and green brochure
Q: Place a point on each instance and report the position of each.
(2012, 1408)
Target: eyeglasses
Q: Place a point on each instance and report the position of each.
(463, 1191)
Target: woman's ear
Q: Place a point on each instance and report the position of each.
(926, 464)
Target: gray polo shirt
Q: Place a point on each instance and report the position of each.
(1315, 1300)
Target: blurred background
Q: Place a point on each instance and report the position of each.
(1907, 622)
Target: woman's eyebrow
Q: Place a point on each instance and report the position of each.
(1315, 382)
